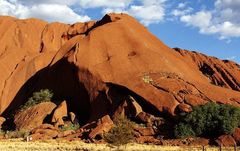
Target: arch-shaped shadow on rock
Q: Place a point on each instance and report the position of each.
(62, 79)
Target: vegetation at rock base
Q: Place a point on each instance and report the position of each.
(16, 134)
(70, 126)
(122, 133)
(210, 119)
(44, 95)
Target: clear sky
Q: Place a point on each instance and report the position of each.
(208, 26)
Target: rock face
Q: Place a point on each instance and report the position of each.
(221, 73)
(226, 140)
(2, 120)
(59, 113)
(236, 135)
(96, 65)
(103, 126)
(43, 132)
(128, 108)
(33, 116)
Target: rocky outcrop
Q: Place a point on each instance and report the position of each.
(236, 135)
(96, 66)
(145, 131)
(59, 113)
(223, 73)
(33, 116)
(226, 140)
(128, 108)
(103, 126)
(2, 120)
(43, 132)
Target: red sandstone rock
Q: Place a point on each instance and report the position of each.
(2, 120)
(149, 140)
(38, 136)
(145, 131)
(73, 117)
(236, 135)
(103, 126)
(33, 116)
(48, 132)
(65, 133)
(85, 62)
(59, 113)
(226, 140)
(184, 107)
(128, 108)
(46, 126)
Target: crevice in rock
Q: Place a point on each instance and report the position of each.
(206, 70)
(41, 39)
(225, 75)
(10, 75)
(4, 52)
(159, 87)
(209, 66)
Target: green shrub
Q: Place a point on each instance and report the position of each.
(122, 133)
(70, 127)
(43, 95)
(183, 130)
(16, 134)
(208, 120)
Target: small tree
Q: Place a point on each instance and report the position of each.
(121, 133)
(44, 95)
(183, 130)
(209, 120)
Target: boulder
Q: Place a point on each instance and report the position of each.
(46, 126)
(103, 126)
(121, 110)
(184, 107)
(2, 120)
(145, 131)
(236, 135)
(128, 108)
(72, 137)
(145, 117)
(135, 108)
(49, 132)
(73, 117)
(65, 133)
(194, 100)
(226, 140)
(33, 116)
(38, 136)
(148, 140)
(43, 132)
(59, 113)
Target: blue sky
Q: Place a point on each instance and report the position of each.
(208, 26)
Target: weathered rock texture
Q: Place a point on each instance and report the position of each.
(59, 114)
(95, 66)
(33, 116)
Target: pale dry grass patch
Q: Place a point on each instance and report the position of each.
(56, 145)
